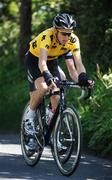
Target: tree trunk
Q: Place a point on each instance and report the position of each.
(25, 29)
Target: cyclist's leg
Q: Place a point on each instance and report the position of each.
(36, 81)
(53, 68)
(36, 94)
(57, 72)
(62, 74)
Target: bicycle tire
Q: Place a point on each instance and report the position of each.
(71, 137)
(31, 158)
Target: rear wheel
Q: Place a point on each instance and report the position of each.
(32, 157)
(68, 131)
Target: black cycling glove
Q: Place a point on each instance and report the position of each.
(83, 79)
(48, 77)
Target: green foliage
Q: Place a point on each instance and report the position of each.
(97, 117)
(8, 36)
(94, 27)
(13, 84)
(44, 11)
(9, 9)
(13, 94)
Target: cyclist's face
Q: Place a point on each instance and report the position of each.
(63, 37)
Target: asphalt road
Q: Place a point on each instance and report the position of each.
(13, 167)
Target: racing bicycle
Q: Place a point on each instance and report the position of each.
(65, 127)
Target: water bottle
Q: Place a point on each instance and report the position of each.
(49, 115)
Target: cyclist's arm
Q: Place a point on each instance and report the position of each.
(72, 70)
(44, 42)
(78, 62)
(75, 67)
(83, 78)
(75, 49)
(43, 60)
(44, 69)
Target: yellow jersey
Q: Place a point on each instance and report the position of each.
(48, 40)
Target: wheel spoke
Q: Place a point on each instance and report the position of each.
(31, 157)
(68, 132)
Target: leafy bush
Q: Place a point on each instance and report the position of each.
(13, 95)
(97, 117)
(95, 36)
(13, 87)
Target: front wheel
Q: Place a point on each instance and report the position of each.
(30, 157)
(68, 132)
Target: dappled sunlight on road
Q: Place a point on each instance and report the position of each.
(13, 167)
(9, 148)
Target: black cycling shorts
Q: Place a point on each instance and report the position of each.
(33, 71)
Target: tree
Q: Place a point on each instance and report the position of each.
(25, 28)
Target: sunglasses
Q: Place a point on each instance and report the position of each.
(65, 34)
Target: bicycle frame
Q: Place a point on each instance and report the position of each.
(65, 127)
(61, 106)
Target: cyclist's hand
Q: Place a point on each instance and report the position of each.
(48, 79)
(91, 84)
(52, 83)
(85, 81)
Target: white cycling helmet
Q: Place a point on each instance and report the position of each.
(64, 21)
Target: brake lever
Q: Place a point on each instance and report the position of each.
(83, 97)
(89, 92)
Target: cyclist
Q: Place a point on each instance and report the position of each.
(42, 65)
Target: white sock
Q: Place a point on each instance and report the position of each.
(31, 113)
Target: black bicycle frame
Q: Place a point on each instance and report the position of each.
(60, 109)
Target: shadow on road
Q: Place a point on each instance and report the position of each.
(9, 139)
(12, 165)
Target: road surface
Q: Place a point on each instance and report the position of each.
(13, 167)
